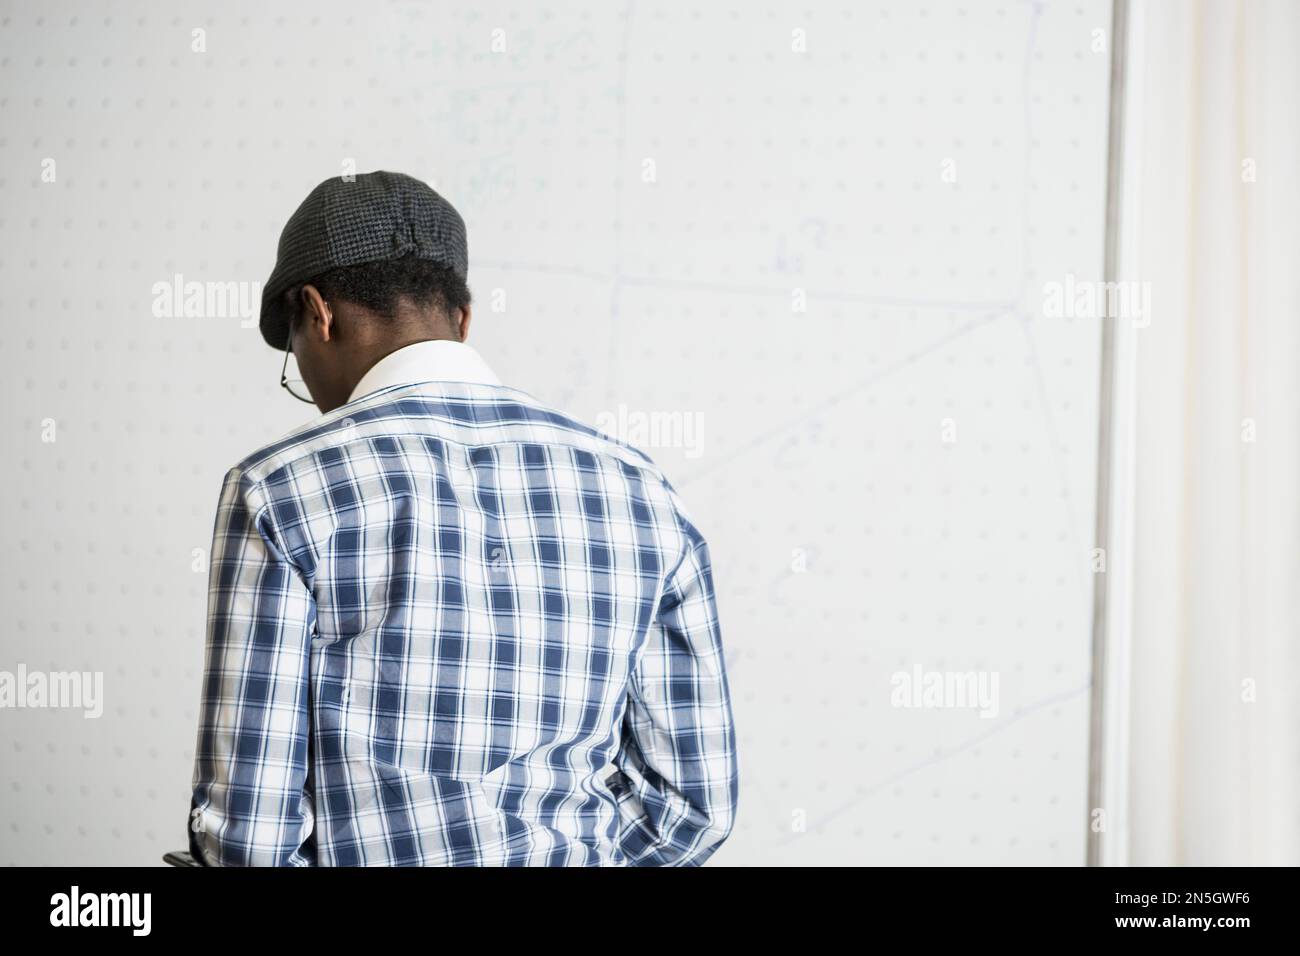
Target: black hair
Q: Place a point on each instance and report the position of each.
(379, 286)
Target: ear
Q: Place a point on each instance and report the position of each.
(462, 326)
(316, 313)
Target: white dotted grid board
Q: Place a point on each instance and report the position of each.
(651, 191)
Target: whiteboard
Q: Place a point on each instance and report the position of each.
(816, 238)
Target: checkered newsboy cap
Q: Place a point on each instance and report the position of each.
(374, 217)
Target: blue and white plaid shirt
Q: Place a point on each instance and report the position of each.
(450, 626)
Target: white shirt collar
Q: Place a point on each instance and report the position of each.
(438, 360)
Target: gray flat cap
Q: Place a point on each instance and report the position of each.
(376, 217)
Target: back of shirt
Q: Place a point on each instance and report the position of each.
(450, 626)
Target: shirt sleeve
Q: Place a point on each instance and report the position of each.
(251, 802)
(676, 781)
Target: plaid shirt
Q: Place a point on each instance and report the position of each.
(450, 626)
